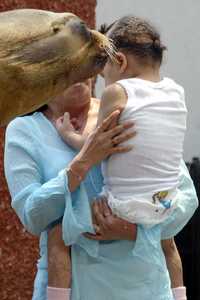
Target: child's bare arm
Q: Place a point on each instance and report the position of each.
(74, 139)
(113, 98)
(68, 132)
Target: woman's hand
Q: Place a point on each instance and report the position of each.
(108, 226)
(106, 140)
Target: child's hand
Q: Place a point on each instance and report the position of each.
(64, 125)
(75, 124)
(68, 130)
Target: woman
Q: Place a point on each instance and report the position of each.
(34, 176)
(41, 194)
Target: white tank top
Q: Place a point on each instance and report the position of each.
(134, 179)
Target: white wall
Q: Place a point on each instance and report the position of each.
(179, 24)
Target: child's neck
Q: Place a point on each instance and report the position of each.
(150, 76)
(146, 73)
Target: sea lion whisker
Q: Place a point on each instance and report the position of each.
(113, 58)
(111, 53)
(113, 44)
(112, 48)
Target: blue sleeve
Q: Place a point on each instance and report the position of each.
(187, 204)
(36, 203)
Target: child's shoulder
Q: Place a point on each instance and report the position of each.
(114, 93)
(113, 98)
(171, 83)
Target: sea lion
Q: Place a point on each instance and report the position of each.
(41, 54)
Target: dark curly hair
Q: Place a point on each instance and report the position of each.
(137, 36)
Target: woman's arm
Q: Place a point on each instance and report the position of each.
(187, 204)
(99, 145)
(107, 225)
(36, 203)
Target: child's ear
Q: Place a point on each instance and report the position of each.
(122, 61)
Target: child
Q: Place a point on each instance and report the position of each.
(141, 185)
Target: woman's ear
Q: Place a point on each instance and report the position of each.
(122, 62)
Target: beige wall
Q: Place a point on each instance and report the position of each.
(179, 23)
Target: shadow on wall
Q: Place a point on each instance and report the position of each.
(188, 241)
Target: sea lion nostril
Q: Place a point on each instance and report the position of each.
(56, 28)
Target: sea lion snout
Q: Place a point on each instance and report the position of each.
(79, 27)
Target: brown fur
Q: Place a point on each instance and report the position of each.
(41, 54)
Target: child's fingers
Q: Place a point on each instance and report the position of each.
(75, 123)
(59, 122)
(66, 117)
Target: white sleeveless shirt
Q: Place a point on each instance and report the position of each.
(141, 184)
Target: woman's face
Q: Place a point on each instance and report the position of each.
(76, 95)
(79, 91)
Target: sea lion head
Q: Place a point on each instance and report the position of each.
(41, 54)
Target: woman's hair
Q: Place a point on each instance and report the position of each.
(135, 35)
(40, 109)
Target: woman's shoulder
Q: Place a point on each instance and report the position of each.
(22, 120)
(22, 126)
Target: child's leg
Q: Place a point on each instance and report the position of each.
(174, 266)
(59, 266)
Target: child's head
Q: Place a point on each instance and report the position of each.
(138, 48)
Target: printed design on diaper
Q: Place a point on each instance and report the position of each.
(160, 198)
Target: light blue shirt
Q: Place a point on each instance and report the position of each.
(35, 162)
